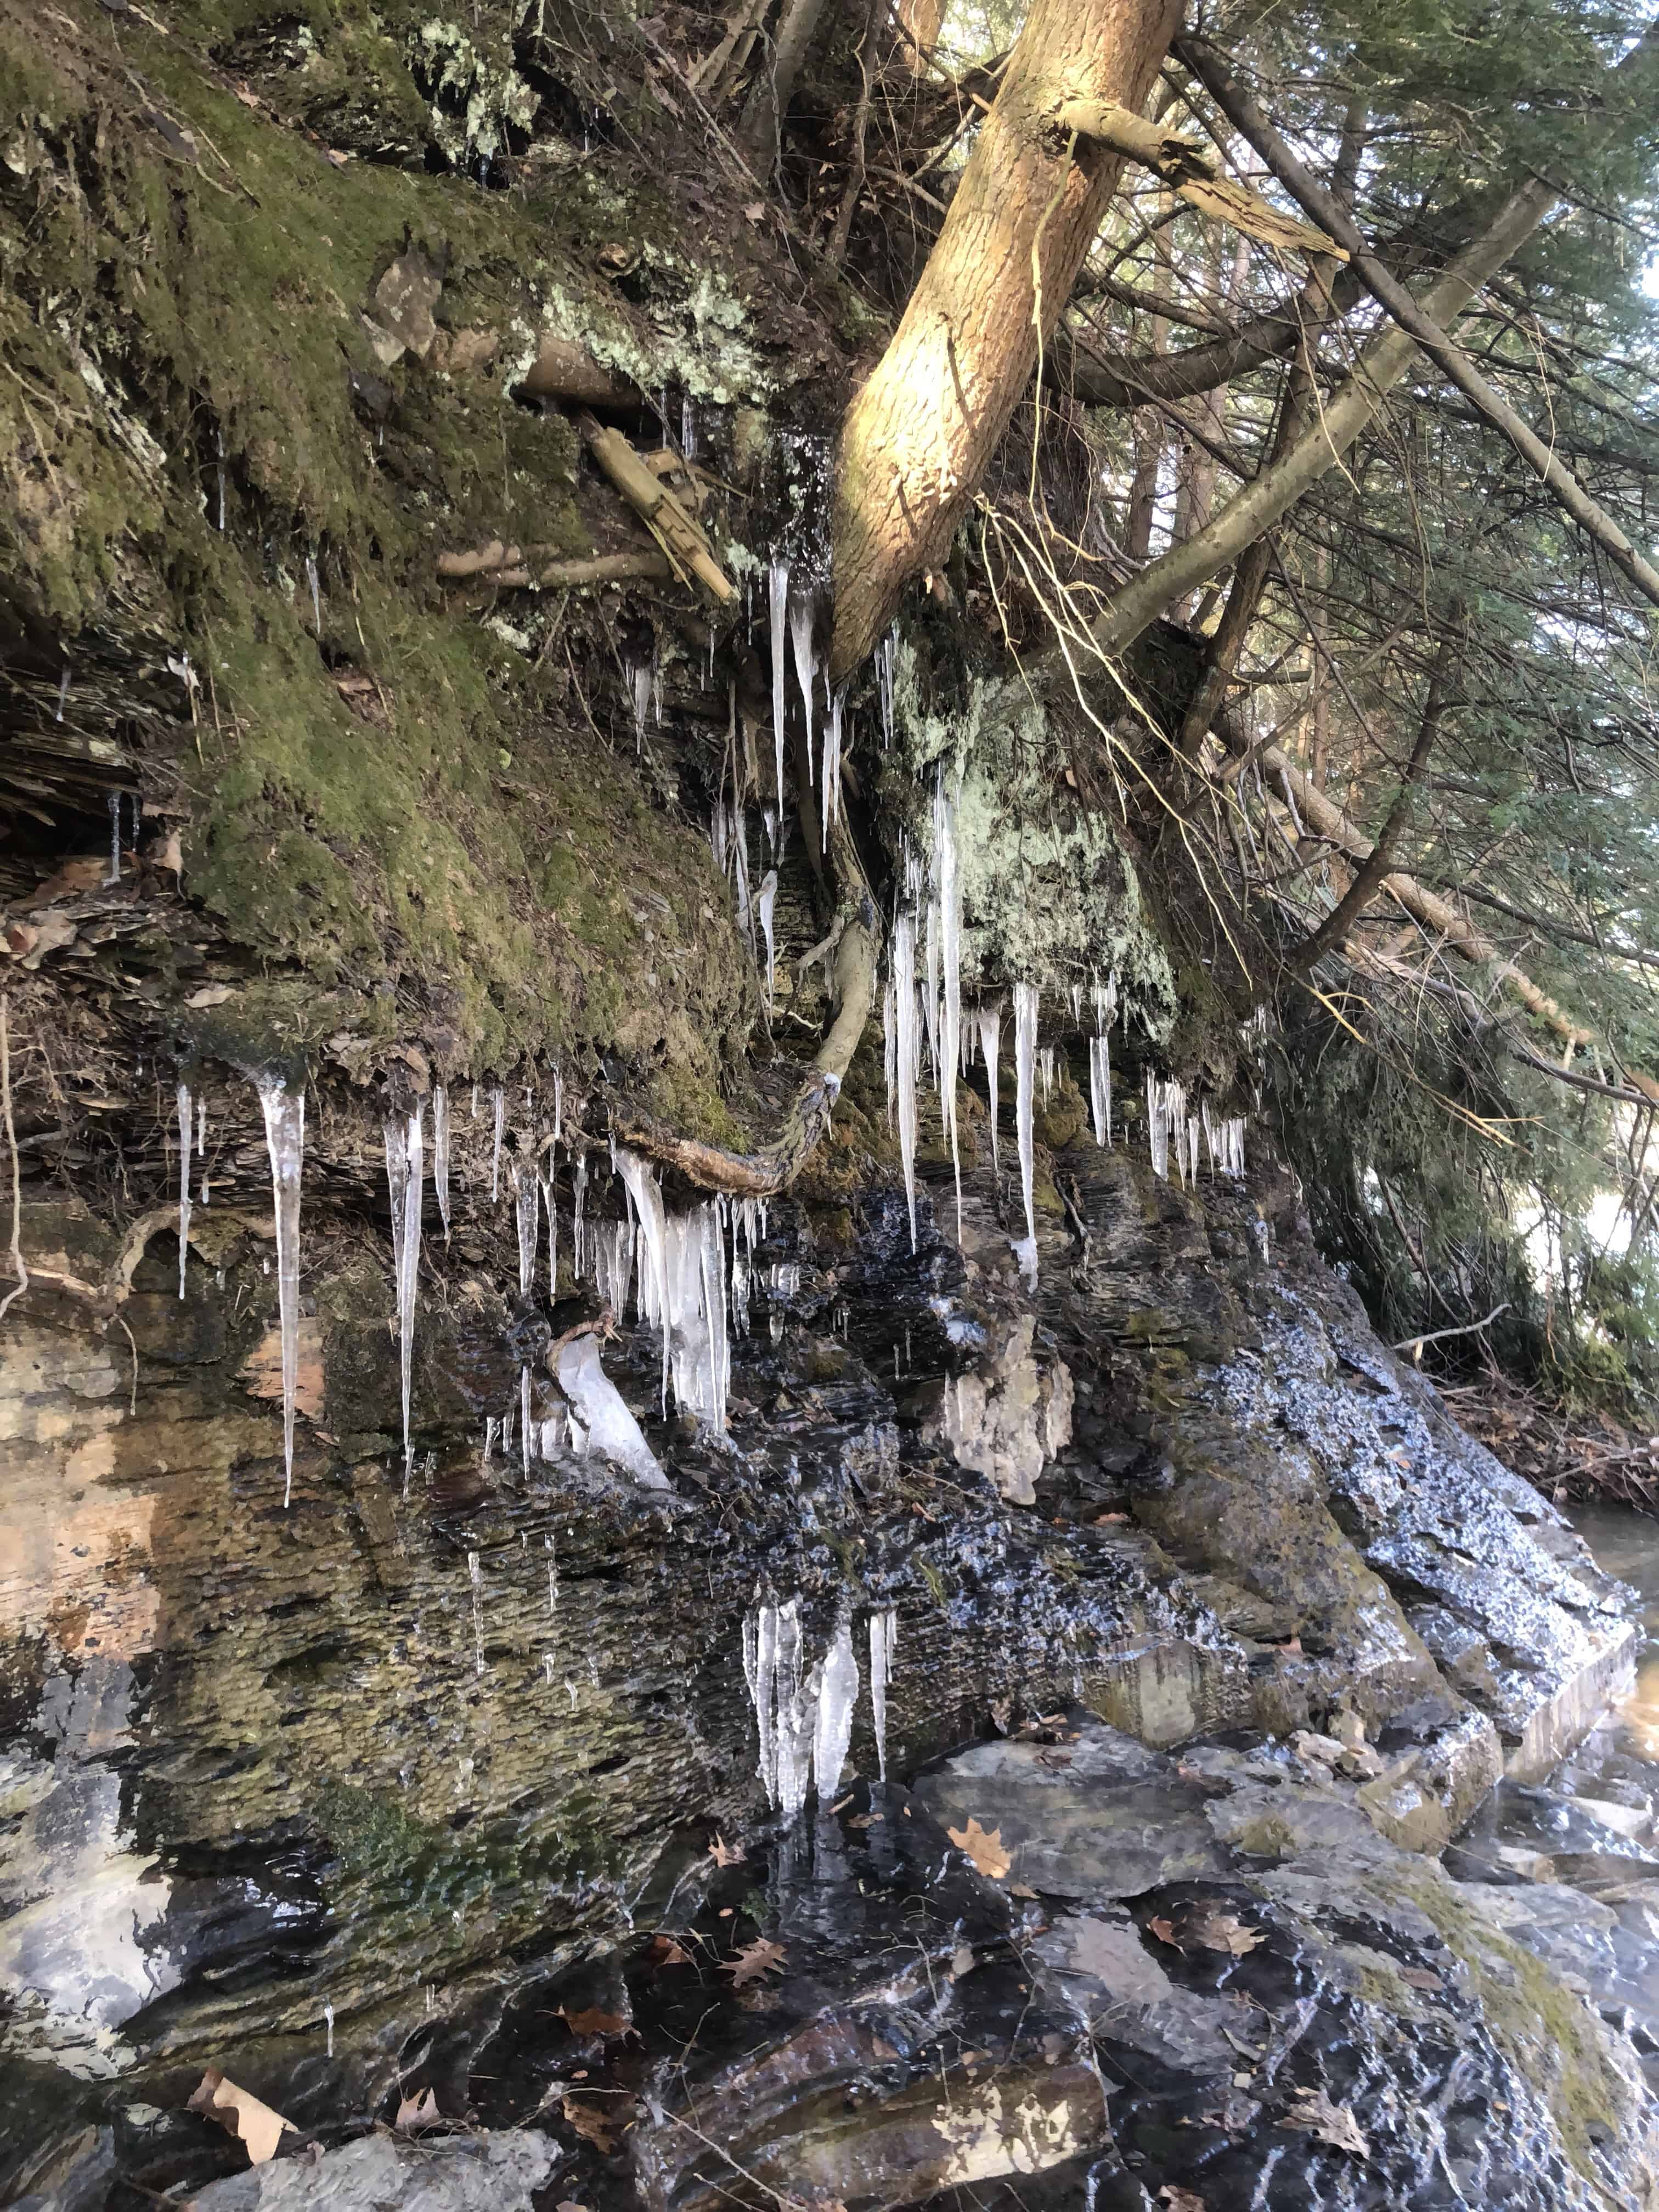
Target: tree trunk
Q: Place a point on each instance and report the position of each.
(917, 438)
(768, 102)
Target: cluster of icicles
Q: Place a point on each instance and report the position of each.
(803, 1715)
(690, 1275)
(928, 1009)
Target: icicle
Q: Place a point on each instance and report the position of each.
(886, 662)
(990, 1045)
(832, 1732)
(907, 1053)
(579, 1184)
(1025, 1030)
(498, 1100)
(947, 887)
(316, 602)
(441, 1152)
(1076, 1002)
(527, 1199)
(548, 1545)
(63, 693)
(285, 1132)
(740, 876)
(687, 429)
(114, 875)
(1100, 1087)
(884, 1641)
(889, 1047)
(930, 1002)
(764, 904)
(558, 1107)
(524, 1419)
(1045, 1071)
(184, 1182)
(613, 1263)
(645, 1193)
(778, 584)
(640, 686)
(219, 437)
(806, 668)
(832, 763)
(549, 1188)
(328, 2009)
(475, 1576)
(784, 1707)
(402, 1173)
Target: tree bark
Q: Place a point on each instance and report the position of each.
(768, 102)
(917, 438)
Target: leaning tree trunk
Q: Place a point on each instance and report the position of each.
(916, 439)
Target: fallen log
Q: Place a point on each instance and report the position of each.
(675, 529)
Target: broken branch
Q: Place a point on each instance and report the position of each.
(674, 528)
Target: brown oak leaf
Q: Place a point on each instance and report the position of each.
(591, 2124)
(594, 2020)
(754, 1959)
(985, 1849)
(724, 1854)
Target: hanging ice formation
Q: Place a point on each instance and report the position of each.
(930, 1002)
(1025, 1030)
(441, 1152)
(784, 1713)
(403, 1174)
(764, 904)
(549, 1188)
(184, 1181)
(990, 1045)
(579, 1184)
(1167, 1123)
(908, 1054)
(526, 1201)
(599, 1420)
(613, 1262)
(806, 666)
(682, 1292)
(498, 1103)
(884, 1641)
(285, 1137)
(1100, 1059)
(888, 1046)
(1045, 1071)
(838, 1693)
(778, 588)
(1225, 1140)
(947, 894)
(475, 1576)
(832, 762)
(524, 1419)
(641, 691)
(114, 875)
(886, 665)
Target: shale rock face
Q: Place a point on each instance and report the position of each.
(401, 1755)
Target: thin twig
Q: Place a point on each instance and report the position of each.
(1415, 1344)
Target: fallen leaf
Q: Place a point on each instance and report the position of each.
(591, 2124)
(210, 994)
(1215, 1931)
(755, 211)
(595, 2021)
(1181, 2200)
(1020, 1889)
(755, 1959)
(569, 2204)
(85, 874)
(239, 2113)
(419, 2111)
(724, 1854)
(1108, 1519)
(168, 853)
(666, 1952)
(21, 939)
(1333, 2124)
(985, 1850)
(866, 1820)
(1164, 1929)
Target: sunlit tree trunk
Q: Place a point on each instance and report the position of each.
(916, 439)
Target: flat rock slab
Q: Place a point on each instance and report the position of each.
(496, 2173)
(1099, 1818)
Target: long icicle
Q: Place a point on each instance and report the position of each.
(440, 1153)
(947, 887)
(778, 585)
(990, 1045)
(1025, 1030)
(184, 1181)
(404, 1166)
(285, 1138)
(904, 1008)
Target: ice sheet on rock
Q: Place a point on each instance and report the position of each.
(498, 1104)
(832, 1729)
(608, 1427)
(1025, 1030)
(403, 1165)
(527, 1214)
(778, 602)
(884, 1642)
(909, 1053)
(285, 1137)
(990, 1045)
(441, 1152)
(184, 1180)
(764, 904)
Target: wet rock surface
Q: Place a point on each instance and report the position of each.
(410, 1758)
